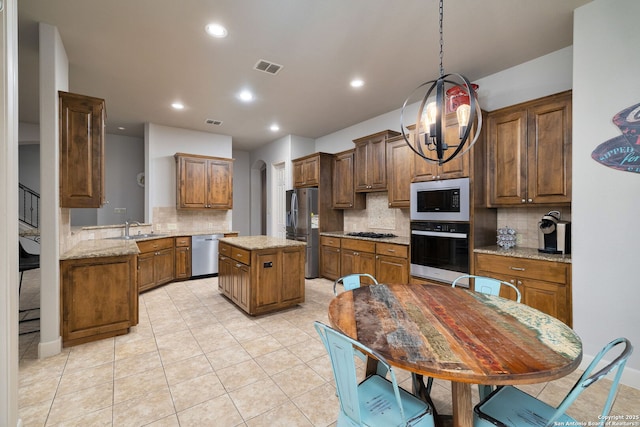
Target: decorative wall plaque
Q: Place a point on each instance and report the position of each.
(623, 151)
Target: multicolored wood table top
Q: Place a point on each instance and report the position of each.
(457, 335)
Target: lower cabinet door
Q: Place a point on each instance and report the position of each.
(164, 266)
(392, 269)
(146, 278)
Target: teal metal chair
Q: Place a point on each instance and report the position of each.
(487, 285)
(376, 401)
(352, 281)
(509, 406)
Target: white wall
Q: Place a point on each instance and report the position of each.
(606, 202)
(54, 76)
(8, 214)
(241, 216)
(275, 152)
(161, 143)
(124, 159)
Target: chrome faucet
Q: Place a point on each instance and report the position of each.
(127, 224)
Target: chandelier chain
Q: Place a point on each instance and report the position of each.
(441, 11)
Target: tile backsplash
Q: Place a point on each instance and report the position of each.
(378, 217)
(525, 222)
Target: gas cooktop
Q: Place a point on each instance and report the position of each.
(370, 234)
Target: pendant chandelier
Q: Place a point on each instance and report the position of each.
(428, 134)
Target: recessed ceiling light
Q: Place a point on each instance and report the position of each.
(216, 30)
(357, 83)
(274, 128)
(245, 96)
(121, 128)
(178, 106)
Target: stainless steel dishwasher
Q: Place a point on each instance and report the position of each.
(204, 254)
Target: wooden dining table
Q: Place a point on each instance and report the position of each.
(457, 335)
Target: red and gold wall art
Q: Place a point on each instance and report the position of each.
(622, 152)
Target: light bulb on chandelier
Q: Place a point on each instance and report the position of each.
(430, 120)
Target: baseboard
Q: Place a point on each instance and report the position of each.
(51, 348)
(630, 376)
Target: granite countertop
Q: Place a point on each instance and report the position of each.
(116, 246)
(101, 248)
(399, 240)
(252, 243)
(518, 252)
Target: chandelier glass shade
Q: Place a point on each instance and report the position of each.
(429, 133)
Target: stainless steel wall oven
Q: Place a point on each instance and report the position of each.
(439, 250)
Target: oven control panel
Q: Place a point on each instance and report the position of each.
(442, 227)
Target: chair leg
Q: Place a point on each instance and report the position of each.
(484, 390)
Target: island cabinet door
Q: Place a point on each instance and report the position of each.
(293, 275)
(268, 276)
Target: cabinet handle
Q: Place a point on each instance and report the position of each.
(513, 282)
(530, 200)
(238, 265)
(519, 282)
(524, 201)
(393, 251)
(516, 268)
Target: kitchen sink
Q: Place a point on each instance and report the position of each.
(137, 236)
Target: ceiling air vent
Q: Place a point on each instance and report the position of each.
(267, 67)
(213, 122)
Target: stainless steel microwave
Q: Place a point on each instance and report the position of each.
(445, 200)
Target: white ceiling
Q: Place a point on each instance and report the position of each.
(142, 55)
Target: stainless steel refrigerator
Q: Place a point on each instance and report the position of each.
(302, 225)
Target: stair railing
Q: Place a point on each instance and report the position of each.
(29, 207)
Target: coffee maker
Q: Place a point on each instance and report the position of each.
(554, 235)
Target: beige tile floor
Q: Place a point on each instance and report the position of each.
(196, 360)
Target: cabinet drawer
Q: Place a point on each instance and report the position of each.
(522, 267)
(155, 245)
(240, 255)
(183, 241)
(334, 242)
(358, 245)
(392, 249)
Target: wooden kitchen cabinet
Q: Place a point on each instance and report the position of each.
(306, 171)
(203, 182)
(399, 172)
(543, 285)
(262, 280)
(370, 160)
(81, 151)
(330, 257)
(183, 257)
(344, 194)
(529, 153)
(156, 263)
(357, 256)
(99, 298)
(458, 167)
(392, 263)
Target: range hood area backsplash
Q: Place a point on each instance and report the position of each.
(378, 217)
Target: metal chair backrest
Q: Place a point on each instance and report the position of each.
(352, 281)
(487, 285)
(341, 351)
(586, 379)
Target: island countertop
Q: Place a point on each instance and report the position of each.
(253, 243)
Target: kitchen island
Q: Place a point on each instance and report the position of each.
(261, 274)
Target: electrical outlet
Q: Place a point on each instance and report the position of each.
(210, 226)
(518, 239)
(120, 210)
(171, 226)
